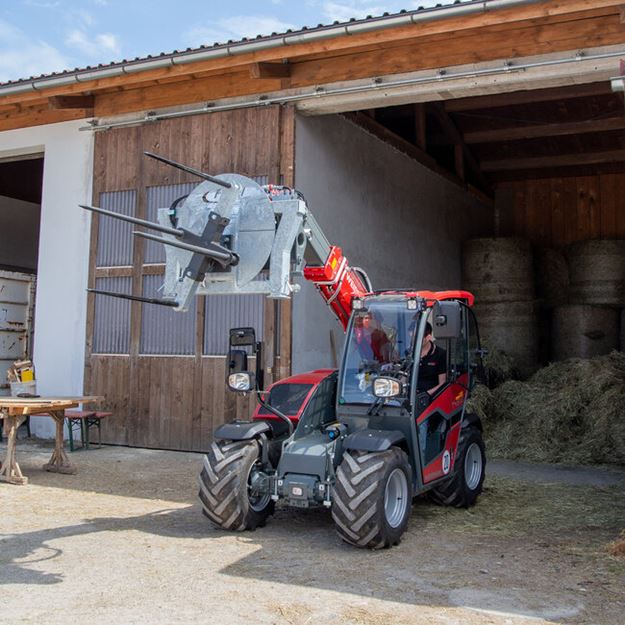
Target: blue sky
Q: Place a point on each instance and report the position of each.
(42, 36)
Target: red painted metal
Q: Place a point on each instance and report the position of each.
(338, 284)
(312, 377)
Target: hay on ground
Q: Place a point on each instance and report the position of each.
(617, 548)
(480, 401)
(570, 412)
(499, 367)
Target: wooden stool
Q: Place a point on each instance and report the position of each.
(85, 420)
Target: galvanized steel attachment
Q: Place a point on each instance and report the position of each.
(229, 236)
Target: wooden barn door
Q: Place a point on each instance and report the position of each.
(163, 373)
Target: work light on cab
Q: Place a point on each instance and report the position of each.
(386, 387)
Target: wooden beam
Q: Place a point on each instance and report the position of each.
(420, 120)
(400, 144)
(456, 138)
(565, 160)
(539, 27)
(527, 97)
(71, 102)
(270, 70)
(459, 161)
(536, 131)
(575, 171)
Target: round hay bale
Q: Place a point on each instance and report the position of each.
(584, 331)
(597, 271)
(510, 328)
(552, 277)
(498, 270)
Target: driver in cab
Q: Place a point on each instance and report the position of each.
(432, 364)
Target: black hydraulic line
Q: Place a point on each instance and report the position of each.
(275, 411)
(135, 298)
(134, 220)
(226, 257)
(189, 170)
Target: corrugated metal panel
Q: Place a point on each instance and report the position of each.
(164, 331)
(111, 326)
(115, 236)
(231, 311)
(162, 197)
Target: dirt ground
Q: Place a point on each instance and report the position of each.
(124, 541)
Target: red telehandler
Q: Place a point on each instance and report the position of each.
(363, 440)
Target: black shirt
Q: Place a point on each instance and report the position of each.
(430, 367)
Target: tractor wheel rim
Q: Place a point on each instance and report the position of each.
(395, 497)
(473, 466)
(257, 502)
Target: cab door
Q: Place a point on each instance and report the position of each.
(439, 423)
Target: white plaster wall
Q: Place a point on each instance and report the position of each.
(61, 303)
(399, 221)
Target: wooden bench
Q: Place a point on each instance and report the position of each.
(84, 420)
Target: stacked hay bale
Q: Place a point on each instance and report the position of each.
(588, 324)
(499, 272)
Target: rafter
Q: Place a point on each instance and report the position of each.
(564, 160)
(536, 131)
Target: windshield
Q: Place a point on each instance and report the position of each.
(287, 398)
(380, 342)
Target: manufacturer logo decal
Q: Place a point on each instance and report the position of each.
(446, 462)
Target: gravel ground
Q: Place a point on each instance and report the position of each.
(124, 541)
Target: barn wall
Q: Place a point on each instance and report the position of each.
(163, 373)
(395, 218)
(60, 308)
(556, 211)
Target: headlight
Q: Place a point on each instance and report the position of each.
(240, 382)
(386, 387)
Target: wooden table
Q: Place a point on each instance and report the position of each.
(14, 411)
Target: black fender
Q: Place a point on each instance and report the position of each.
(241, 430)
(471, 419)
(373, 440)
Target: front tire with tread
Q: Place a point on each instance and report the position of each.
(358, 507)
(224, 491)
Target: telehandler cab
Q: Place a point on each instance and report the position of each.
(363, 440)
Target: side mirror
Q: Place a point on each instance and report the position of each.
(384, 387)
(237, 361)
(242, 382)
(447, 320)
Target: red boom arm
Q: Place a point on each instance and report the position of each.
(338, 284)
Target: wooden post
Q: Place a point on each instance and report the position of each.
(59, 462)
(11, 471)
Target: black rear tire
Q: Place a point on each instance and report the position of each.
(463, 488)
(372, 498)
(224, 487)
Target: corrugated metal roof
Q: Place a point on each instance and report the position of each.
(143, 63)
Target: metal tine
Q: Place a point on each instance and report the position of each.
(189, 170)
(229, 258)
(135, 298)
(134, 220)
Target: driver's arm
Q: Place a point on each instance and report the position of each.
(442, 379)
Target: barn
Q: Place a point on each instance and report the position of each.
(409, 134)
